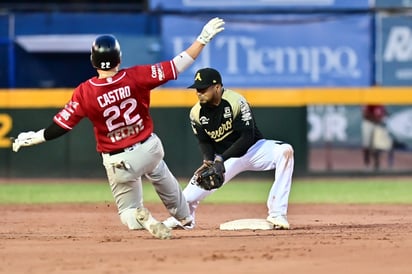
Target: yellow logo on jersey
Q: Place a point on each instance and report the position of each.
(223, 131)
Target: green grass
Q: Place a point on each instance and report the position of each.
(33, 193)
(321, 191)
(399, 192)
(380, 191)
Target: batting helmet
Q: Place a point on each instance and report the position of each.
(105, 52)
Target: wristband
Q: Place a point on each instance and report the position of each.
(218, 158)
(182, 61)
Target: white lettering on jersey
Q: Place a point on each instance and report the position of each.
(157, 72)
(113, 96)
(65, 114)
(227, 113)
(69, 108)
(154, 71)
(223, 130)
(246, 113)
(126, 131)
(204, 120)
(160, 73)
(122, 120)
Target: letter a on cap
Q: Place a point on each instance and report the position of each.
(198, 78)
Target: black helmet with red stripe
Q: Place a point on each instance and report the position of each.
(105, 52)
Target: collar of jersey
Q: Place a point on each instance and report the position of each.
(104, 82)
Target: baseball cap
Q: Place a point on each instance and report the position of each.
(206, 77)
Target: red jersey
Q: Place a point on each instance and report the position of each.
(118, 106)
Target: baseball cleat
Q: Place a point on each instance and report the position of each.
(160, 231)
(186, 224)
(157, 229)
(279, 222)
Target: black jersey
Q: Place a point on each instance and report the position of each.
(223, 125)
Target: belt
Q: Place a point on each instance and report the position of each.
(131, 148)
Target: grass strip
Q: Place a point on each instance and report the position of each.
(360, 191)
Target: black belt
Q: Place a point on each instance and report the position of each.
(111, 153)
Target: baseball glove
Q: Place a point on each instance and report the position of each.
(211, 176)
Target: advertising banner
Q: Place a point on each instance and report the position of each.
(341, 125)
(394, 50)
(393, 3)
(338, 136)
(247, 5)
(278, 50)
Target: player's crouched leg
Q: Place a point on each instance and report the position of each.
(288, 155)
(128, 218)
(283, 179)
(288, 151)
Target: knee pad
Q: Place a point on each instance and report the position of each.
(128, 218)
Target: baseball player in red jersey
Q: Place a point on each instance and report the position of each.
(226, 130)
(117, 103)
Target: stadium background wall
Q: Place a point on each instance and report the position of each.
(280, 113)
(74, 154)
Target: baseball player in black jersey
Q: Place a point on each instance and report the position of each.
(226, 130)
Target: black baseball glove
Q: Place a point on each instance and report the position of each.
(211, 175)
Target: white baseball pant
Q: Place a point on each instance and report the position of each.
(262, 156)
(124, 172)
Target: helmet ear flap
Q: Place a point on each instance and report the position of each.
(105, 52)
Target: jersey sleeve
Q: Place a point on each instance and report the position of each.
(196, 126)
(243, 118)
(152, 76)
(72, 113)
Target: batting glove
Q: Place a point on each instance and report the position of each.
(29, 138)
(213, 27)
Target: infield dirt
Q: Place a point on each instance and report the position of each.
(89, 238)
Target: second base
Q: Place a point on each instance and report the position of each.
(252, 224)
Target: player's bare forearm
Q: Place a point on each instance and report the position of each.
(195, 49)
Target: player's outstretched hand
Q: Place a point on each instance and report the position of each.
(205, 165)
(213, 27)
(29, 138)
(211, 177)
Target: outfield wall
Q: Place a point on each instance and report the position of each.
(280, 115)
(74, 154)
